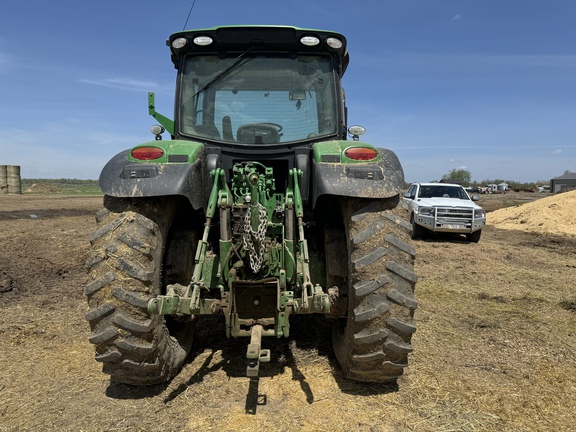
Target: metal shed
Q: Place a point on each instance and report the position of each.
(502, 187)
(567, 181)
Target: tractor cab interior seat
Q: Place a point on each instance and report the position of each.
(227, 134)
(258, 133)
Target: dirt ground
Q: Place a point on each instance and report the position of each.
(495, 348)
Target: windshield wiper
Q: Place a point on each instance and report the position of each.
(225, 72)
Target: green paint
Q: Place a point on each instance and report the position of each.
(171, 147)
(337, 148)
(284, 284)
(164, 121)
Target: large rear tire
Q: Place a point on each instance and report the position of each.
(138, 247)
(372, 344)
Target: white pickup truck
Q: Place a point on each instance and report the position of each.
(444, 207)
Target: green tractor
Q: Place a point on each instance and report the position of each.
(257, 209)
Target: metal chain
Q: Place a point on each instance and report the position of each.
(256, 257)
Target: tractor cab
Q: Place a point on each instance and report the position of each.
(259, 86)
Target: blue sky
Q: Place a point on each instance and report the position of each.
(483, 85)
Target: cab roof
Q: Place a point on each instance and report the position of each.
(258, 38)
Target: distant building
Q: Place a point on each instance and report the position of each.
(567, 181)
(502, 187)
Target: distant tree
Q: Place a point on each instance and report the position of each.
(459, 174)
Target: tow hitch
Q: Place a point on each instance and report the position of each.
(255, 354)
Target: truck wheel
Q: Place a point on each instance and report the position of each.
(474, 237)
(372, 343)
(417, 230)
(138, 247)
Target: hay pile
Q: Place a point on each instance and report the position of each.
(43, 188)
(552, 215)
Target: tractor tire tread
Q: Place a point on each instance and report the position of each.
(374, 343)
(133, 347)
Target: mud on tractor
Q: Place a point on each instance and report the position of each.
(258, 208)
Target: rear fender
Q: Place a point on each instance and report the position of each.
(179, 172)
(334, 174)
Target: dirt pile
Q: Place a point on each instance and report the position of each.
(42, 188)
(553, 215)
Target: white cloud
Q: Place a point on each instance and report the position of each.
(457, 17)
(122, 83)
(557, 151)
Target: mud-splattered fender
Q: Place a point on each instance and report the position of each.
(121, 177)
(381, 179)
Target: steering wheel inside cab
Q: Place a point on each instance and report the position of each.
(259, 133)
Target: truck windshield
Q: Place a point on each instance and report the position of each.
(258, 99)
(443, 192)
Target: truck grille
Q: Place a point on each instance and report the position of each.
(454, 213)
(454, 218)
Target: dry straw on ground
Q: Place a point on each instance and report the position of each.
(495, 348)
(553, 214)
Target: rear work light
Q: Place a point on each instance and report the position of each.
(360, 153)
(179, 43)
(309, 40)
(203, 40)
(334, 43)
(147, 153)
